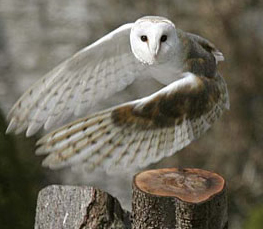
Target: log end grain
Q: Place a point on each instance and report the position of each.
(189, 185)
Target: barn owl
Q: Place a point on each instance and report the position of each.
(135, 133)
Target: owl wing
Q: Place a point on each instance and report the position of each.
(208, 46)
(139, 132)
(94, 73)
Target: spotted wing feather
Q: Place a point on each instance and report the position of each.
(140, 132)
(94, 73)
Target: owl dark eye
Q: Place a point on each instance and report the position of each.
(163, 38)
(144, 38)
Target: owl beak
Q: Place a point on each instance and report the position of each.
(154, 49)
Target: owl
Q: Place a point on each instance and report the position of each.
(136, 133)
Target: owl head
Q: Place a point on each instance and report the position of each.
(153, 40)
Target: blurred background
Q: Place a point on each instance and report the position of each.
(36, 35)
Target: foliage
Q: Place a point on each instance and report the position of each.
(255, 219)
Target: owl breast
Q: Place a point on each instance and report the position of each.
(168, 72)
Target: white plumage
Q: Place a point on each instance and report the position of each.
(136, 133)
(92, 74)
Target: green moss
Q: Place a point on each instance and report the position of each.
(255, 219)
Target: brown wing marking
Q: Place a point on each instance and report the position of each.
(170, 109)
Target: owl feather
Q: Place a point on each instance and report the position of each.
(140, 132)
(136, 133)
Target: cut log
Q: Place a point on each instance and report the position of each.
(78, 207)
(179, 198)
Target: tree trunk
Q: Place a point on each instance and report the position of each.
(162, 199)
(181, 199)
(78, 207)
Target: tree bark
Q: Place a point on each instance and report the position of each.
(78, 207)
(181, 199)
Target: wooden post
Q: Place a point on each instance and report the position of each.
(180, 199)
(78, 207)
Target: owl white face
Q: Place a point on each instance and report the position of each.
(153, 40)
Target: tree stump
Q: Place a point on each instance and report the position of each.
(78, 207)
(179, 198)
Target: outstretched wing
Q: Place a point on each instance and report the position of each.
(139, 132)
(94, 73)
